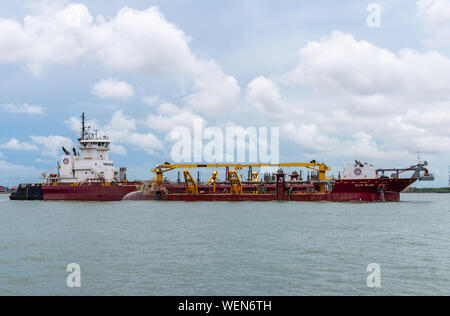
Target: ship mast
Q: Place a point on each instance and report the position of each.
(83, 127)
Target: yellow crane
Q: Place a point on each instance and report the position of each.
(191, 185)
(213, 179)
(235, 182)
(321, 168)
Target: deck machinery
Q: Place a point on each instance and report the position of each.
(360, 182)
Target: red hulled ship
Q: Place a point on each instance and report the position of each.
(359, 182)
(86, 175)
(89, 175)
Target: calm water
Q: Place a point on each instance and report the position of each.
(154, 248)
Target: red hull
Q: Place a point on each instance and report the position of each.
(307, 197)
(343, 191)
(87, 192)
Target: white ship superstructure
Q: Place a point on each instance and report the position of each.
(91, 163)
(359, 170)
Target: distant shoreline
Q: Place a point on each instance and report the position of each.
(428, 190)
(437, 192)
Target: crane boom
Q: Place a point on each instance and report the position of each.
(313, 165)
(167, 166)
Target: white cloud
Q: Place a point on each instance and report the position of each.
(264, 96)
(1, 155)
(143, 41)
(152, 100)
(51, 145)
(54, 36)
(112, 89)
(132, 41)
(148, 142)
(365, 100)
(11, 172)
(436, 118)
(74, 124)
(48, 145)
(310, 138)
(171, 116)
(214, 93)
(14, 144)
(436, 13)
(118, 149)
(119, 126)
(122, 131)
(339, 64)
(23, 108)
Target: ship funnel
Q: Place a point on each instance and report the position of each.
(65, 151)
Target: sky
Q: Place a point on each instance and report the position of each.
(337, 88)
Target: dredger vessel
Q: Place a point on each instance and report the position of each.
(89, 175)
(359, 182)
